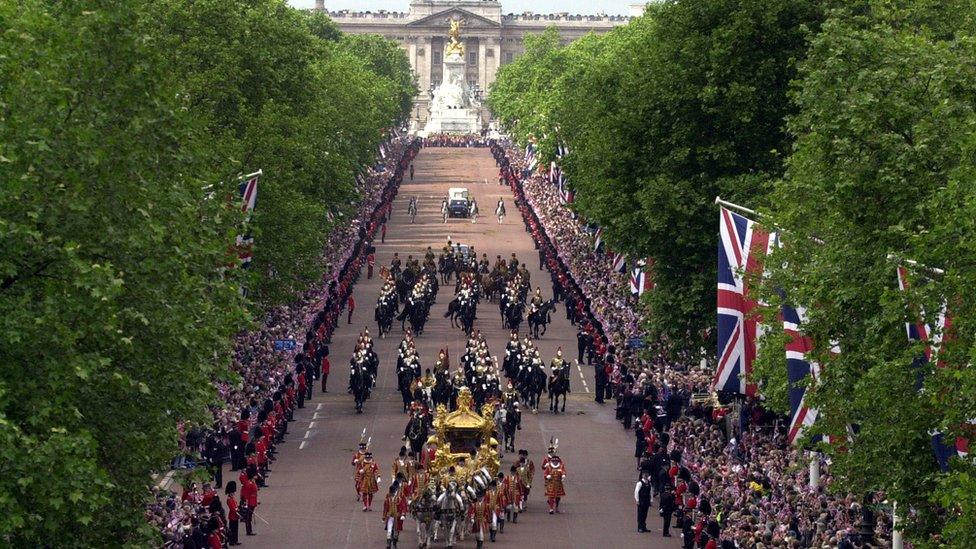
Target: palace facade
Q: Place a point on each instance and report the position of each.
(491, 38)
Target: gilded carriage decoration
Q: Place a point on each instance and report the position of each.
(464, 441)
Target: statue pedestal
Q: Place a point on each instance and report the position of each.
(451, 108)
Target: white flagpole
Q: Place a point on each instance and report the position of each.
(250, 175)
(719, 201)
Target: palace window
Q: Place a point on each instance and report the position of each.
(490, 52)
(437, 57)
(509, 57)
(473, 58)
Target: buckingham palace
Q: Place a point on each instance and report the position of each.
(491, 38)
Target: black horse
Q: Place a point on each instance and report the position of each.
(532, 382)
(386, 310)
(540, 318)
(416, 433)
(441, 394)
(558, 387)
(405, 378)
(360, 382)
(512, 315)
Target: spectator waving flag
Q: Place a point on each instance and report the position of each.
(598, 239)
(919, 331)
(742, 248)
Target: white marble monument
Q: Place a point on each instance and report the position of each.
(453, 107)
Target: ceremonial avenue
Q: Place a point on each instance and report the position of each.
(452, 273)
(311, 500)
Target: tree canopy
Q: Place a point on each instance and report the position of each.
(123, 129)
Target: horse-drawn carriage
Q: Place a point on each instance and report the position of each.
(464, 464)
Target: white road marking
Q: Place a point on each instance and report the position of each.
(311, 425)
(308, 433)
(319, 407)
(302, 445)
(582, 377)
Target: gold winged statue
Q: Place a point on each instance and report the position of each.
(455, 45)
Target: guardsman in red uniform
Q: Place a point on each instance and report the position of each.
(249, 498)
(512, 488)
(493, 498)
(394, 511)
(369, 473)
(479, 513)
(233, 515)
(357, 462)
(555, 474)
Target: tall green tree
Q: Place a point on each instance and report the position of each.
(283, 91)
(115, 313)
(882, 167)
(683, 104)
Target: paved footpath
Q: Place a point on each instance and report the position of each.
(310, 501)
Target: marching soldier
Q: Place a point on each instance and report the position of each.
(369, 473)
(555, 474)
(495, 500)
(479, 513)
(526, 472)
(513, 491)
(357, 461)
(394, 511)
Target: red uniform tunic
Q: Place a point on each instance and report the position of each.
(369, 478)
(357, 463)
(395, 506)
(554, 480)
(232, 513)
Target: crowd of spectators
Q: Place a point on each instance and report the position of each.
(278, 365)
(454, 140)
(725, 474)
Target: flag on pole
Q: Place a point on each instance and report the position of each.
(919, 331)
(598, 241)
(619, 263)
(640, 278)
(248, 190)
(742, 248)
(801, 371)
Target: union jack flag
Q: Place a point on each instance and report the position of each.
(249, 192)
(598, 241)
(619, 263)
(531, 160)
(933, 339)
(640, 278)
(801, 371)
(249, 197)
(742, 247)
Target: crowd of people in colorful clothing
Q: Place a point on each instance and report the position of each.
(722, 479)
(454, 140)
(277, 374)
